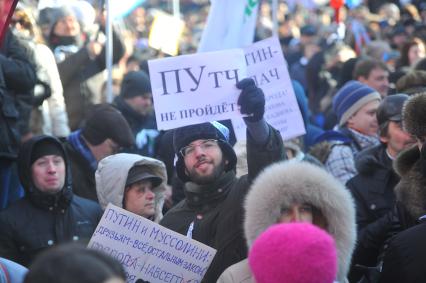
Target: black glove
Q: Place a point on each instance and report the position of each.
(251, 100)
(47, 92)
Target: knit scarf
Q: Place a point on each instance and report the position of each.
(363, 140)
(78, 144)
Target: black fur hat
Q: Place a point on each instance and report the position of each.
(414, 115)
(185, 135)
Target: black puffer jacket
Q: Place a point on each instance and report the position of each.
(41, 220)
(17, 79)
(217, 209)
(373, 192)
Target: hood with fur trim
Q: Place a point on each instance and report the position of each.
(411, 190)
(111, 177)
(284, 183)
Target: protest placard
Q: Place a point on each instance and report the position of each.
(192, 89)
(149, 251)
(200, 88)
(165, 33)
(267, 66)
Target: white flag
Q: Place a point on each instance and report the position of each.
(230, 24)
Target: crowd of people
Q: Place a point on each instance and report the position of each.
(346, 202)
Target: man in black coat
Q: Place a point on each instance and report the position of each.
(136, 105)
(49, 214)
(405, 256)
(372, 188)
(212, 211)
(17, 80)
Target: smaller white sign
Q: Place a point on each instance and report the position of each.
(267, 66)
(165, 33)
(192, 89)
(149, 251)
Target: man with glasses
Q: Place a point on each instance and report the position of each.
(104, 133)
(212, 211)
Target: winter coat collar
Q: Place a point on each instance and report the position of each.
(205, 196)
(373, 159)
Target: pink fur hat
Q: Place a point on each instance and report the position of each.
(293, 253)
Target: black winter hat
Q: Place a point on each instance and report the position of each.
(107, 122)
(414, 116)
(185, 135)
(46, 147)
(135, 83)
(390, 109)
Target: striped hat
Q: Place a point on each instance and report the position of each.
(350, 98)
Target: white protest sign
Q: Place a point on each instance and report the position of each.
(165, 33)
(192, 89)
(149, 251)
(267, 66)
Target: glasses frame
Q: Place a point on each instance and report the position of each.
(182, 150)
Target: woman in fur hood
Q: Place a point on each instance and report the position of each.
(293, 191)
(133, 182)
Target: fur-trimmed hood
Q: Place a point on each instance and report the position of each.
(284, 183)
(111, 177)
(411, 190)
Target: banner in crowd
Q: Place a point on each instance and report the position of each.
(165, 33)
(199, 88)
(149, 251)
(7, 7)
(230, 24)
(267, 66)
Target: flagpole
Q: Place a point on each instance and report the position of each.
(108, 53)
(176, 8)
(274, 17)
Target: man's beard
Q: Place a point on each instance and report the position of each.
(218, 170)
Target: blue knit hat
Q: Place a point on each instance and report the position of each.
(350, 98)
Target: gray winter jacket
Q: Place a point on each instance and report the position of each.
(111, 177)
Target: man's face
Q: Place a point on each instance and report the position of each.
(364, 120)
(204, 162)
(140, 199)
(396, 139)
(141, 103)
(377, 79)
(67, 26)
(48, 173)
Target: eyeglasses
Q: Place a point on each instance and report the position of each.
(204, 145)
